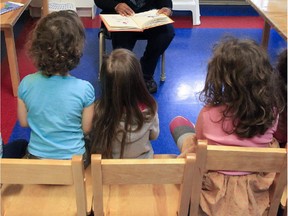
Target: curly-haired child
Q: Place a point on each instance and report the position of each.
(56, 106)
(242, 105)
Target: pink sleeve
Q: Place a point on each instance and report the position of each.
(199, 126)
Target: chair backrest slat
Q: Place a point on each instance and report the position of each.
(244, 159)
(120, 171)
(33, 171)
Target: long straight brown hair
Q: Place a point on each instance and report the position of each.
(122, 91)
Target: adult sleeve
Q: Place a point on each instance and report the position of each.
(106, 5)
(164, 3)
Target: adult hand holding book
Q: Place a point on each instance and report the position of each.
(136, 22)
(123, 9)
(166, 11)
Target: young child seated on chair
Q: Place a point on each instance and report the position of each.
(125, 116)
(55, 105)
(242, 105)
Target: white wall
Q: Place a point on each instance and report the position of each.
(85, 8)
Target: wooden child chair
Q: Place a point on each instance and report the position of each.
(251, 159)
(135, 186)
(43, 187)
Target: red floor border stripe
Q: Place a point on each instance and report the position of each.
(206, 22)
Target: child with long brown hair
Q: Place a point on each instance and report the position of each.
(125, 116)
(242, 102)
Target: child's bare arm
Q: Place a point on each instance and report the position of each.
(87, 117)
(22, 113)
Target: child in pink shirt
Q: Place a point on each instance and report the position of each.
(242, 105)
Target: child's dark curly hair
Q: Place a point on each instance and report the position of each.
(56, 44)
(282, 65)
(241, 77)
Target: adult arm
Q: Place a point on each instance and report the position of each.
(163, 4)
(22, 113)
(106, 5)
(165, 7)
(165, 10)
(111, 6)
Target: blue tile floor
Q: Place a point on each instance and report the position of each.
(185, 65)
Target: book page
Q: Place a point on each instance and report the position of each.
(9, 6)
(149, 19)
(116, 21)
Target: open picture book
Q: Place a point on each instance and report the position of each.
(137, 22)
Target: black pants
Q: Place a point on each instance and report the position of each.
(158, 40)
(15, 149)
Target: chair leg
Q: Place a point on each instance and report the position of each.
(195, 17)
(102, 50)
(163, 73)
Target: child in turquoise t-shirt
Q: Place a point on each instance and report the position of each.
(55, 105)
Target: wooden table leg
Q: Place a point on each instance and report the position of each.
(12, 59)
(265, 35)
(45, 8)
